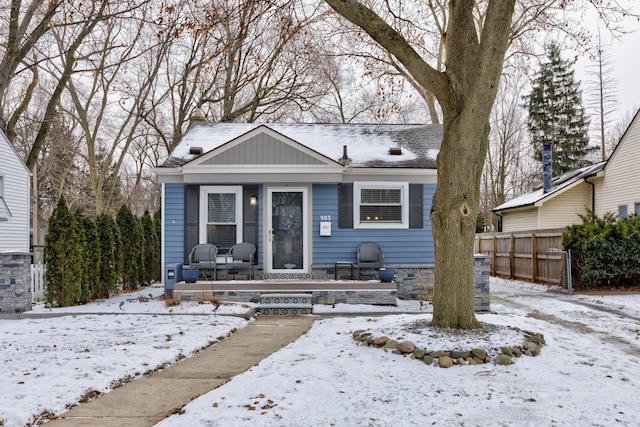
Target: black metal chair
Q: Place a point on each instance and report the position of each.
(369, 255)
(203, 258)
(240, 257)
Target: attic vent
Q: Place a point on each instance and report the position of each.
(195, 150)
(395, 151)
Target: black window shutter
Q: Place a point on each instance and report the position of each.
(416, 206)
(345, 206)
(191, 218)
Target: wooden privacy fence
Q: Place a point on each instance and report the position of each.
(532, 256)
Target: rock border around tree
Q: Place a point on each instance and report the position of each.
(532, 345)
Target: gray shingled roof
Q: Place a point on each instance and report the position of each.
(367, 144)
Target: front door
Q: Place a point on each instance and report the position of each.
(287, 225)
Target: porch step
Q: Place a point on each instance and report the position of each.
(286, 303)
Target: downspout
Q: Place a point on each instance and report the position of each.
(593, 194)
(499, 215)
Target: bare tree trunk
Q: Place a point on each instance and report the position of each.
(466, 91)
(453, 220)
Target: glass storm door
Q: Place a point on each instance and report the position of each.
(287, 230)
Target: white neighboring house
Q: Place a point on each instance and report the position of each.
(15, 188)
(15, 258)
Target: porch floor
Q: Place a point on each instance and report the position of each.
(285, 285)
(324, 291)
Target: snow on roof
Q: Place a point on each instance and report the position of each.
(367, 144)
(558, 184)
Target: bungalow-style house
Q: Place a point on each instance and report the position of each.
(610, 186)
(306, 195)
(15, 258)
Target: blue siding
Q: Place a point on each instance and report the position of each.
(174, 223)
(400, 246)
(174, 227)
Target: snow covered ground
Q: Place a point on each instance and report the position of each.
(587, 375)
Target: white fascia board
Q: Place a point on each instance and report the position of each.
(169, 175)
(258, 178)
(412, 175)
(264, 169)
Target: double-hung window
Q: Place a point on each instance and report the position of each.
(221, 216)
(381, 205)
(622, 211)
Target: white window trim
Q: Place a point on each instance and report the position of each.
(626, 211)
(402, 186)
(205, 190)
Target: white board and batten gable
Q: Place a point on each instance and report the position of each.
(14, 199)
(311, 153)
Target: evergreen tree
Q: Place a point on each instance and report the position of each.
(556, 114)
(107, 237)
(151, 249)
(79, 218)
(91, 256)
(62, 248)
(131, 266)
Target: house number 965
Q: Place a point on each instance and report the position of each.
(325, 217)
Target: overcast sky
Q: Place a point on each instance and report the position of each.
(626, 65)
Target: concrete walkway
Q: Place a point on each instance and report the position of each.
(149, 400)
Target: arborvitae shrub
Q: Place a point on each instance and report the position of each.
(150, 249)
(131, 266)
(90, 253)
(62, 257)
(107, 237)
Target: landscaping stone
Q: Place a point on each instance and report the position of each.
(356, 334)
(458, 354)
(438, 354)
(445, 362)
(428, 360)
(406, 347)
(380, 341)
(502, 359)
(391, 344)
(531, 349)
(507, 350)
(447, 359)
(418, 353)
(479, 353)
